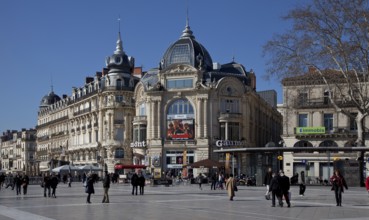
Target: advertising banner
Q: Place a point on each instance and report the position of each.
(180, 129)
(310, 130)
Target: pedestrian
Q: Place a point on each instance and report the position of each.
(2, 180)
(10, 182)
(285, 187)
(47, 184)
(89, 189)
(25, 183)
(53, 184)
(141, 183)
(275, 188)
(338, 182)
(230, 184)
(267, 179)
(367, 183)
(213, 181)
(220, 180)
(84, 178)
(134, 183)
(106, 185)
(18, 184)
(69, 180)
(199, 180)
(302, 183)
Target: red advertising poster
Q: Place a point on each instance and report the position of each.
(180, 129)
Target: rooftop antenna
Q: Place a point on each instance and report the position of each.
(187, 16)
(119, 23)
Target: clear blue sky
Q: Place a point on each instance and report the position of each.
(69, 40)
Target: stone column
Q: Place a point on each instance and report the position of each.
(159, 122)
(198, 118)
(206, 111)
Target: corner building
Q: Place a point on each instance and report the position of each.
(94, 124)
(189, 103)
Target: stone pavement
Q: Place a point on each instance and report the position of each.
(180, 202)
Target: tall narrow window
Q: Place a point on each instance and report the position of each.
(328, 122)
(303, 120)
(353, 125)
(326, 99)
(303, 98)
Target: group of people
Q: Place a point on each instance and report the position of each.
(278, 185)
(138, 180)
(17, 181)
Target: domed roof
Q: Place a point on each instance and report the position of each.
(119, 61)
(187, 50)
(49, 99)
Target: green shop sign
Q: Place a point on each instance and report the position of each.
(310, 130)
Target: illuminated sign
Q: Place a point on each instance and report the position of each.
(310, 130)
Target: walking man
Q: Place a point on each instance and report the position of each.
(275, 188)
(141, 182)
(302, 183)
(134, 183)
(285, 187)
(106, 185)
(53, 184)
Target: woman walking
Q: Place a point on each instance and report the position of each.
(338, 182)
(230, 184)
(53, 183)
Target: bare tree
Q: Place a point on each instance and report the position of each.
(332, 36)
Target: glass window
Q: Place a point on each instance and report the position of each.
(142, 109)
(119, 84)
(303, 120)
(180, 54)
(233, 131)
(353, 125)
(229, 106)
(303, 98)
(181, 106)
(179, 83)
(119, 153)
(119, 98)
(326, 97)
(328, 122)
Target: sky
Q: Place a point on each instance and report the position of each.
(48, 44)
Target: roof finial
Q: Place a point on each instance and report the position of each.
(51, 80)
(187, 31)
(119, 47)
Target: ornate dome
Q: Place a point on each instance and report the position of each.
(49, 99)
(119, 61)
(187, 50)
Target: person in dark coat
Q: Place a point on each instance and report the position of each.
(106, 185)
(285, 187)
(25, 183)
(213, 181)
(338, 182)
(268, 177)
(141, 182)
(134, 182)
(18, 184)
(53, 184)
(46, 183)
(275, 188)
(90, 188)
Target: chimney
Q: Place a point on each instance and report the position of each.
(252, 80)
(312, 69)
(89, 80)
(137, 71)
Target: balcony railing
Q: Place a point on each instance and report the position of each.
(83, 111)
(140, 119)
(320, 103)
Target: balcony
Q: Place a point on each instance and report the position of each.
(228, 116)
(83, 111)
(142, 119)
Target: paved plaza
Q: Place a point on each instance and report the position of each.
(180, 202)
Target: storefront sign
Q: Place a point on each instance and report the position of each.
(138, 144)
(227, 143)
(310, 130)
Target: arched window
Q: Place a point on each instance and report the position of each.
(119, 153)
(329, 143)
(180, 120)
(303, 144)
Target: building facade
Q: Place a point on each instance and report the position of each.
(310, 120)
(189, 106)
(94, 124)
(18, 150)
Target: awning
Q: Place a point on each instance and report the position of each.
(131, 166)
